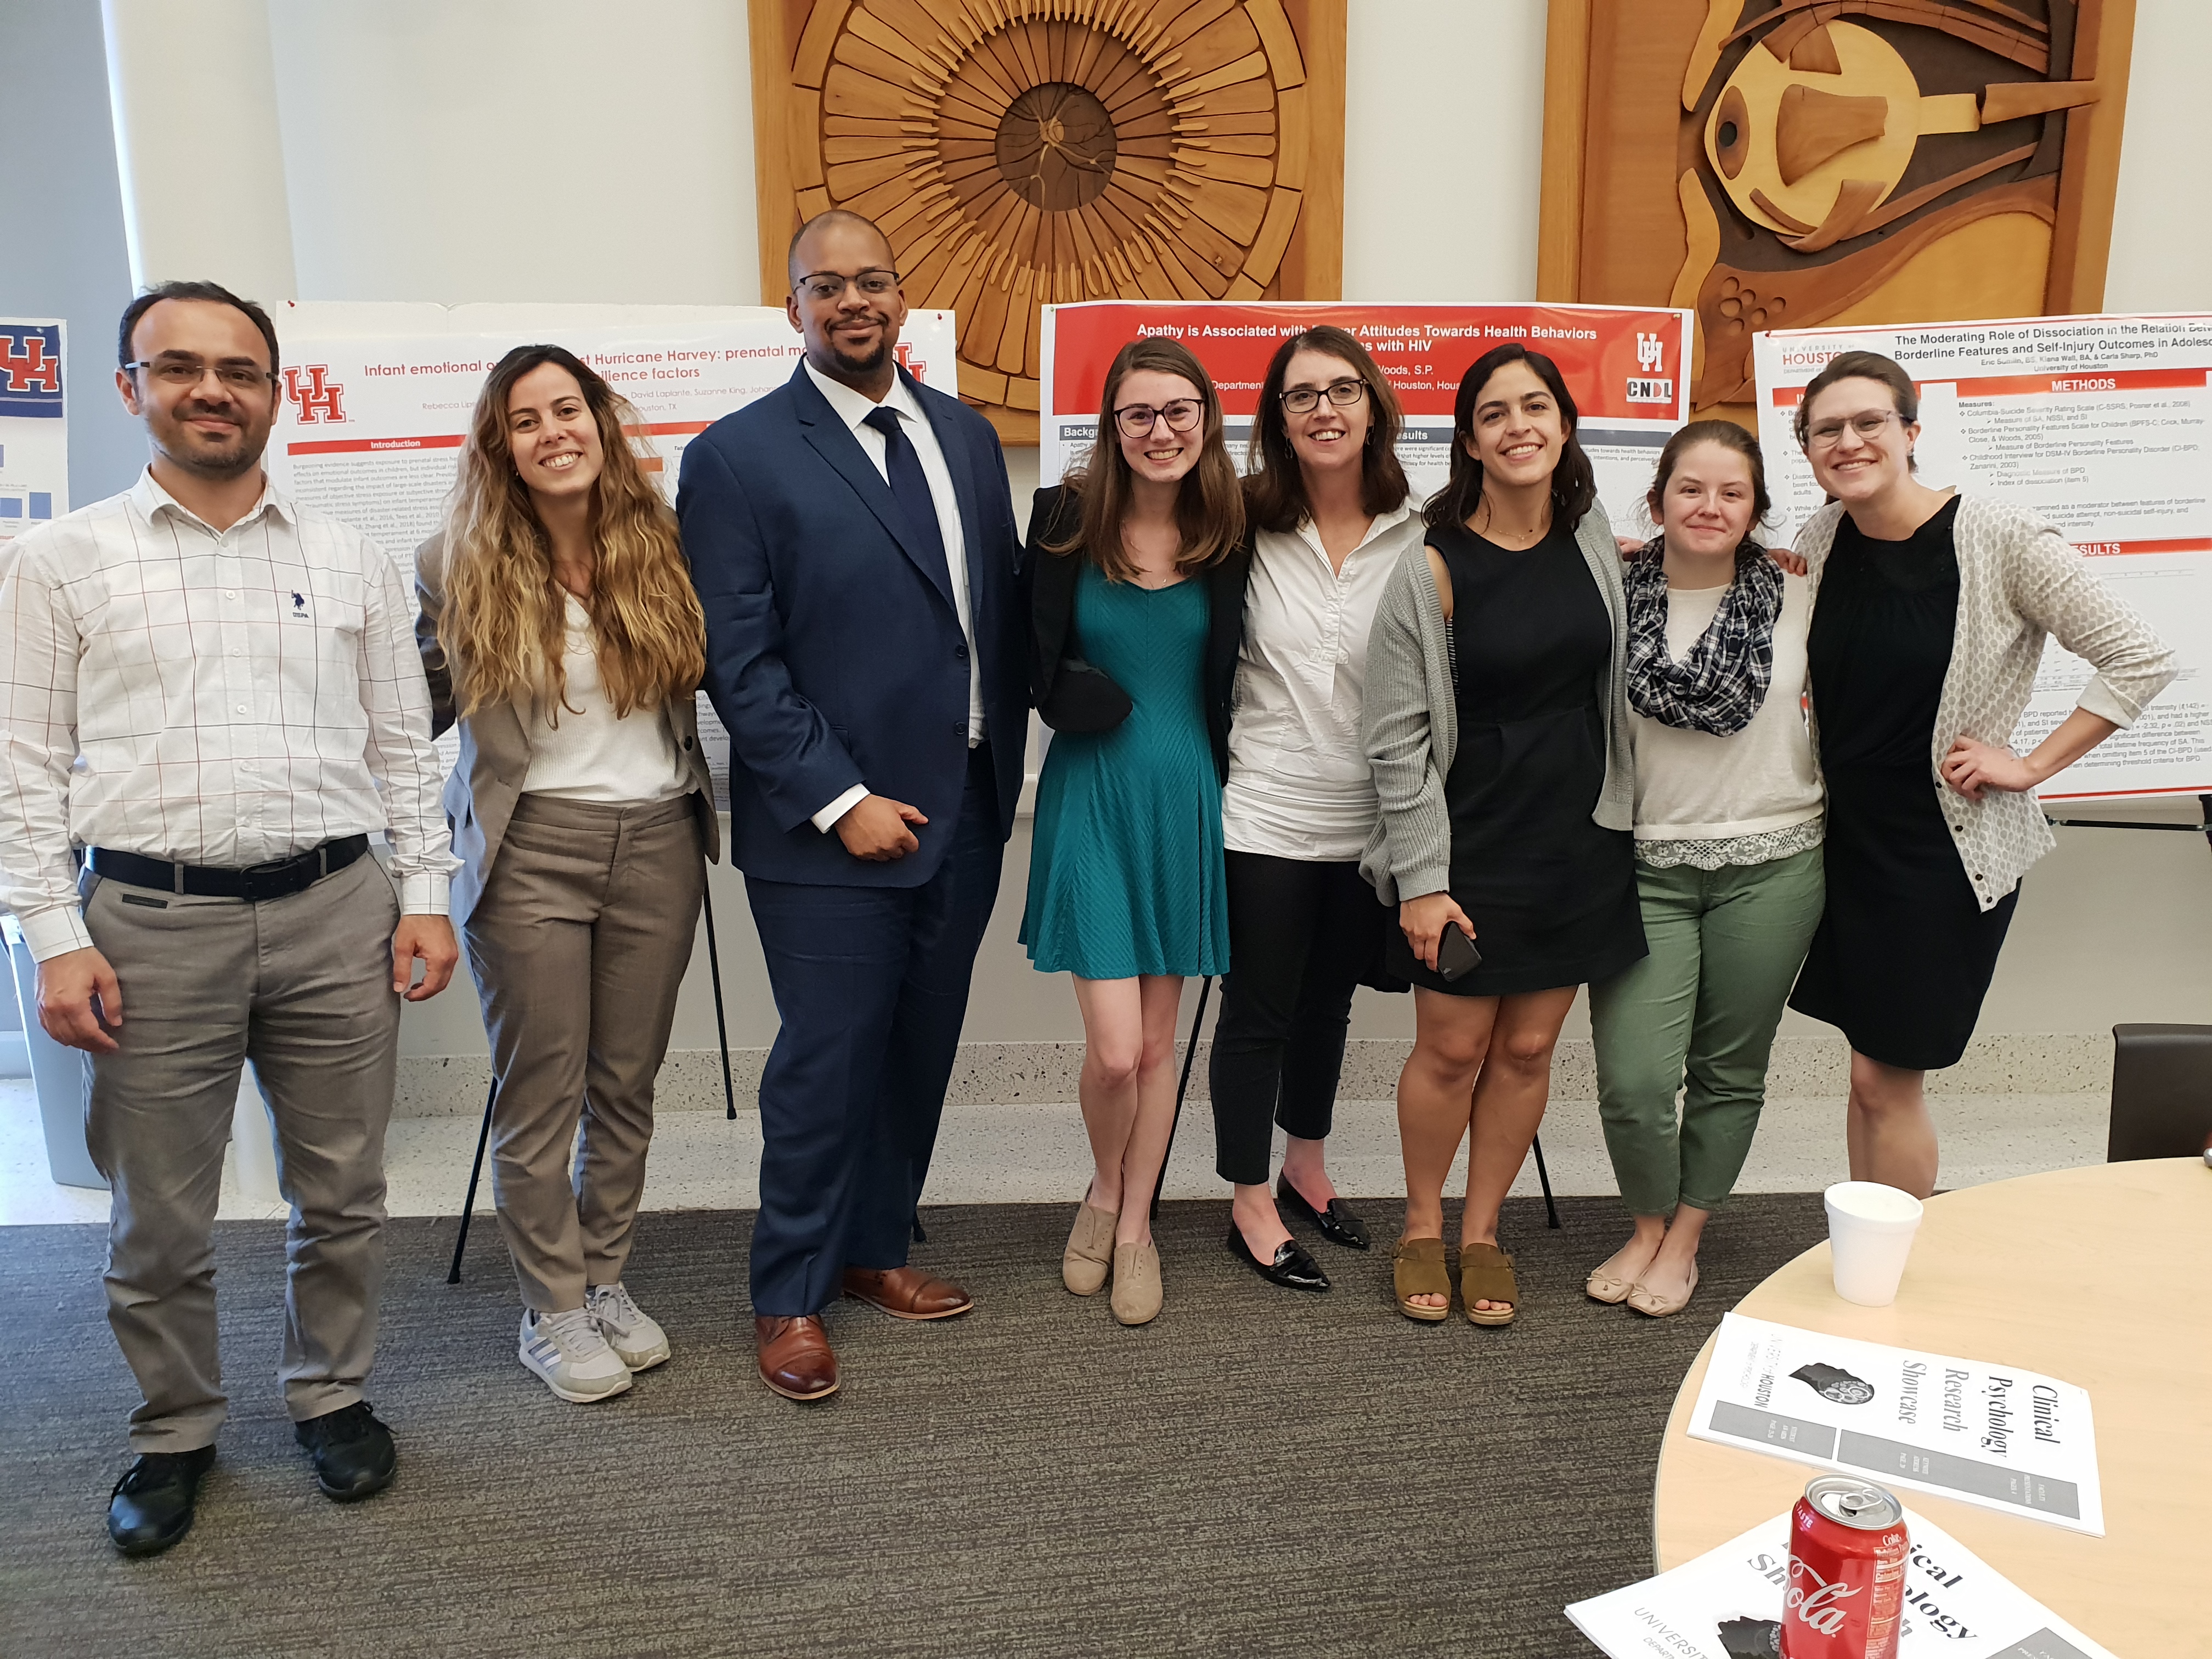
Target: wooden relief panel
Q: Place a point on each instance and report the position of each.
(1782, 163)
(1020, 153)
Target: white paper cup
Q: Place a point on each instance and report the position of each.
(1870, 1228)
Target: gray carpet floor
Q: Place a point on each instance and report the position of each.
(1256, 1473)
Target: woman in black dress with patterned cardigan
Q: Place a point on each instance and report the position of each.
(1928, 618)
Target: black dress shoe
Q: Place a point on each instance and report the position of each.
(353, 1452)
(1338, 1225)
(1292, 1268)
(151, 1507)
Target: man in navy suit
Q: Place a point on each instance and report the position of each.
(852, 537)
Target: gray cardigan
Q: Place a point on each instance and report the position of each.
(1412, 722)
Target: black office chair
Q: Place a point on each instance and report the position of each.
(2161, 1092)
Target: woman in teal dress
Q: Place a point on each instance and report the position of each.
(1135, 571)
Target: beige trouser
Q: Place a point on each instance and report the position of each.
(578, 944)
(300, 986)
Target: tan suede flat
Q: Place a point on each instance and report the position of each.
(1653, 1306)
(1090, 1252)
(1602, 1286)
(1137, 1289)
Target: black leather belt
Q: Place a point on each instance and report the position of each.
(279, 878)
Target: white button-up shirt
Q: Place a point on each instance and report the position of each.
(854, 409)
(211, 697)
(1299, 786)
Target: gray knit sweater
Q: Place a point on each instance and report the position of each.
(1412, 722)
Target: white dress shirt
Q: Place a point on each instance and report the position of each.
(583, 750)
(853, 408)
(1299, 786)
(212, 697)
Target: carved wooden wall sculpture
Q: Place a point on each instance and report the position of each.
(1782, 163)
(1025, 152)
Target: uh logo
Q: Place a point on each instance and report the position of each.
(1650, 354)
(31, 370)
(917, 366)
(315, 397)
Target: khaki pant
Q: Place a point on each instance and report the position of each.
(300, 986)
(578, 945)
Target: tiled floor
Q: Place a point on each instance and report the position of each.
(701, 1160)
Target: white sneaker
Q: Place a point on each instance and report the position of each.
(568, 1351)
(636, 1339)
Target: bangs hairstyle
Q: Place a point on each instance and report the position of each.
(1275, 489)
(1861, 366)
(1728, 435)
(1209, 507)
(1574, 484)
(506, 617)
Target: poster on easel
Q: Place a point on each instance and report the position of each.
(33, 424)
(2101, 424)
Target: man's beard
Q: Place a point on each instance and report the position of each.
(177, 443)
(867, 364)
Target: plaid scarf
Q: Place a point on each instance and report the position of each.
(1720, 684)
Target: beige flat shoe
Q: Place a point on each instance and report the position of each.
(1137, 1289)
(1602, 1286)
(1658, 1306)
(1090, 1251)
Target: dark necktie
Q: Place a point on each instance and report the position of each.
(910, 489)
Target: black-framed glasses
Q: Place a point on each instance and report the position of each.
(1136, 420)
(824, 287)
(1868, 423)
(185, 372)
(1304, 399)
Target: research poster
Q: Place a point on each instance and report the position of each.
(1627, 371)
(1728, 1604)
(1992, 1435)
(377, 400)
(33, 425)
(2101, 425)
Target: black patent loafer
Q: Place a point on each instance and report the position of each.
(353, 1452)
(1338, 1225)
(151, 1507)
(1291, 1268)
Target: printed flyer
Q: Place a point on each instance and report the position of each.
(33, 425)
(1996, 1436)
(2101, 425)
(1627, 370)
(1728, 1604)
(377, 399)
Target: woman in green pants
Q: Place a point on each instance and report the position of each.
(1728, 836)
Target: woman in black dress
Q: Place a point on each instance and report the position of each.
(1496, 726)
(1929, 614)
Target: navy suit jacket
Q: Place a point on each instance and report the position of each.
(834, 654)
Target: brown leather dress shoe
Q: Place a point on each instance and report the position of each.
(796, 1359)
(906, 1292)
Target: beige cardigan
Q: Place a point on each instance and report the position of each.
(2019, 580)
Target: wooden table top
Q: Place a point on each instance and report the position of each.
(2101, 1277)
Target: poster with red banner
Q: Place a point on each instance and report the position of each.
(2101, 424)
(1627, 370)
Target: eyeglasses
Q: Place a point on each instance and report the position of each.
(1869, 424)
(1301, 400)
(1138, 419)
(825, 285)
(186, 372)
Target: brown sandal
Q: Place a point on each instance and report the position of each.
(1486, 1274)
(1417, 1268)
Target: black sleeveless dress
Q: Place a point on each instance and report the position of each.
(1552, 894)
(1905, 952)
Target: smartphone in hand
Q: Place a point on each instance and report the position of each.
(1456, 957)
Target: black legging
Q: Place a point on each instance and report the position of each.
(1301, 935)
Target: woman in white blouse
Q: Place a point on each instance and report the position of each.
(559, 627)
(1327, 500)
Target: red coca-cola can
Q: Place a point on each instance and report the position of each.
(1846, 1585)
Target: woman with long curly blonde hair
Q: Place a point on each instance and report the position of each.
(559, 628)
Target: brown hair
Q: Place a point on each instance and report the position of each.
(1728, 435)
(1861, 366)
(506, 617)
(1209, 506)
(1275, 489)
(1574, 484)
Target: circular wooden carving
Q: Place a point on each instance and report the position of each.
(1030, 152)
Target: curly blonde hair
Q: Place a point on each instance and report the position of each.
(505, 621)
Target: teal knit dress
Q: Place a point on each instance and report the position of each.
(1125, 868)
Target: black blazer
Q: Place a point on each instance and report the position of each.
(1049, 584)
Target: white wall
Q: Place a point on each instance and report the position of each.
(567, 149)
